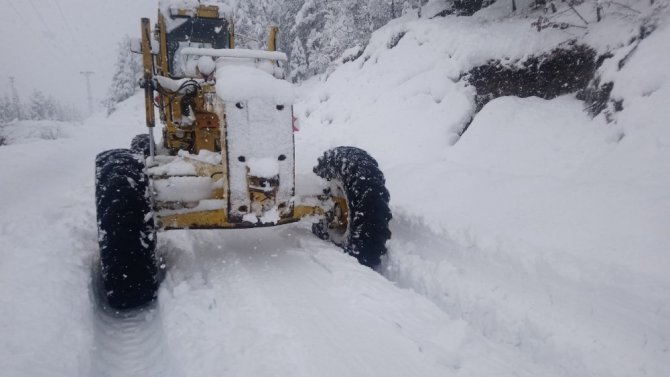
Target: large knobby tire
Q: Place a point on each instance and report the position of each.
(366, 229)
(141, 144)
(126, 232)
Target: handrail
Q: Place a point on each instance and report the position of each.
(235, 53)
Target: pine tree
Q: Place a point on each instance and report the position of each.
(124, 81)
(379, 13)
(16, 102)
(38, 107)
(298, 63)
(6, 110)
(309, 27)
(252, 22)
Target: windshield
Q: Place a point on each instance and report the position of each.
(194, 32)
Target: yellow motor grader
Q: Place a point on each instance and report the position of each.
(225, 159)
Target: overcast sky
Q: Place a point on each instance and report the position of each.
(47, 43)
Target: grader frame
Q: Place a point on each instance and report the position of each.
(207, 132)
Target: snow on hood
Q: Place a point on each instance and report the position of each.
(235, 82)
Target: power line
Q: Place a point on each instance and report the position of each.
(67, 23)
(15, 10)
(39, 15)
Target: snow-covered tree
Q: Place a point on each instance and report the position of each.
(7, 111)
(16, 104)
(124, 81)
(380, 12)
(38, 107)
(253, 20)
(298, 63)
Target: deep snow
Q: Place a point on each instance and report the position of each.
(533, 245)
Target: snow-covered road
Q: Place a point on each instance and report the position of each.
(264, 302)
(278, 301)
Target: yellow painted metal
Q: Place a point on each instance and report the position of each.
(272, 38)
(208, 132)
(195, 220)
(207, 124)
(208, 11)
(147, 61)
(207, 139)
(301, 211)
(202, 11)
(162, 40)
(215, 219)
(340, 219)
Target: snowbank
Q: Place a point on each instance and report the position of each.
(27, 131)
(541, 227)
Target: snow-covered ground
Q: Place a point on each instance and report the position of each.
(27, 131)
(543, 229)
(269, 302)
(534, 245)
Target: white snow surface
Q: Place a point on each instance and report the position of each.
(28, 131)
(235, 53)
(534, 245)
(263, 167)
(241, 81)
(259, 133)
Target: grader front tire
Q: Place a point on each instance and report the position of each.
(126, 233)
(365, 230)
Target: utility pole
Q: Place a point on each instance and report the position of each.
(15, 98)
(87, 75)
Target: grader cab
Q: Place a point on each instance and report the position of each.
(225, 159)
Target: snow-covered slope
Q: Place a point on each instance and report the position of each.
(544, 229)
(533, 245)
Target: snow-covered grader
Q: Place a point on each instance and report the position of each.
(225, 159)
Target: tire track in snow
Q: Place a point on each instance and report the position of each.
(127, 343)
(280, 302)
(216, 316)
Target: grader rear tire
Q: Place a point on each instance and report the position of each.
(141, 145)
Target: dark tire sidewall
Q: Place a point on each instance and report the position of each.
(358, 175)
(126, 231)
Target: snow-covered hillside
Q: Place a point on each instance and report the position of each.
(534, 244)
(553, 227)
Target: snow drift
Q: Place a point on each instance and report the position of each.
(540, 226)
